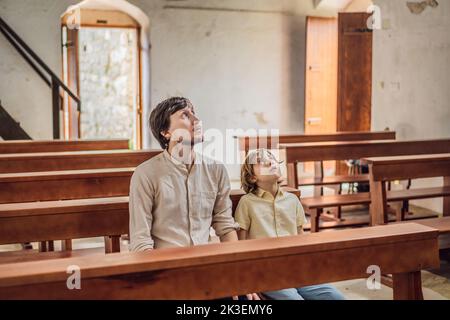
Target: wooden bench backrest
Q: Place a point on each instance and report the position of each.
(72, 219)
(64, 185)
(67, 185)
(80, 160)
(271, 142)
(216, 270)
(385, 169)
(362, 149)
(30, 146)
(409, 167)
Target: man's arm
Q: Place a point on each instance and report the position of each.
(222, 220)
(230, 236)
(140, 206)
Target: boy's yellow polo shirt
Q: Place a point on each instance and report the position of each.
(263, 216)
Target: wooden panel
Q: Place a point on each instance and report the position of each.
(64, 226)
(398, 168)
(332, 180)
(215, 270)
(29, 146)
(73, 81)
(60, 161)
(441, 224)
(254, 142)
(321, 75)
(354, 73)
(361, 149)
(63, 185)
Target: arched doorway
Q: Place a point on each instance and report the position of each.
(105, 60)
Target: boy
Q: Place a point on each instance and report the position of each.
(267, 211)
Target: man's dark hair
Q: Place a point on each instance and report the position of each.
(160, 117)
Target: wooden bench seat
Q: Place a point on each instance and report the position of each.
(216, 270)
(442, 224)
(313, 204)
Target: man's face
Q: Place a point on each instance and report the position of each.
(185, 126)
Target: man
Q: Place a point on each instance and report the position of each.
(178, 195)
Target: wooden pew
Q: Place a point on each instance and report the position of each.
(79, 160)
(64, 220)
(313, 205)
(64, 185)
(351, 150)
(322, 151)
(384, 169)
(73, 219)
(30, 146)
(271, 142)
(440, 224)
(216, 270)
(252, 142)
(75, 184)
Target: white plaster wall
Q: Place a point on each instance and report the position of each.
(411, 74)
(242, 67)
(23, 94)
(358, 6)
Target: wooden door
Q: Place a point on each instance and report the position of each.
(355, 73)
(71, 78)
(321, 79)
(321, 75)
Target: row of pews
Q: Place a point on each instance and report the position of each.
(81, 192)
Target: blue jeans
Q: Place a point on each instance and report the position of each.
(319, 292)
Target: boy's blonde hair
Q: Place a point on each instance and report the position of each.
(248, 182)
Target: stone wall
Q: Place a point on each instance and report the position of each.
(107, 59)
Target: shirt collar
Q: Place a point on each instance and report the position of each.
(267, 195)
(177, 162)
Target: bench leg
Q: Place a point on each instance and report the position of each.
(318, 173)
(446, 199)
(27, 246)
(292, 178)
(378, 206)
(407, 286)
(314, 216)
(43, 246)
(405, 209)
(66, 245)
(112, 244)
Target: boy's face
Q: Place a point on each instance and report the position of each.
(185, 127)
(267, 169)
